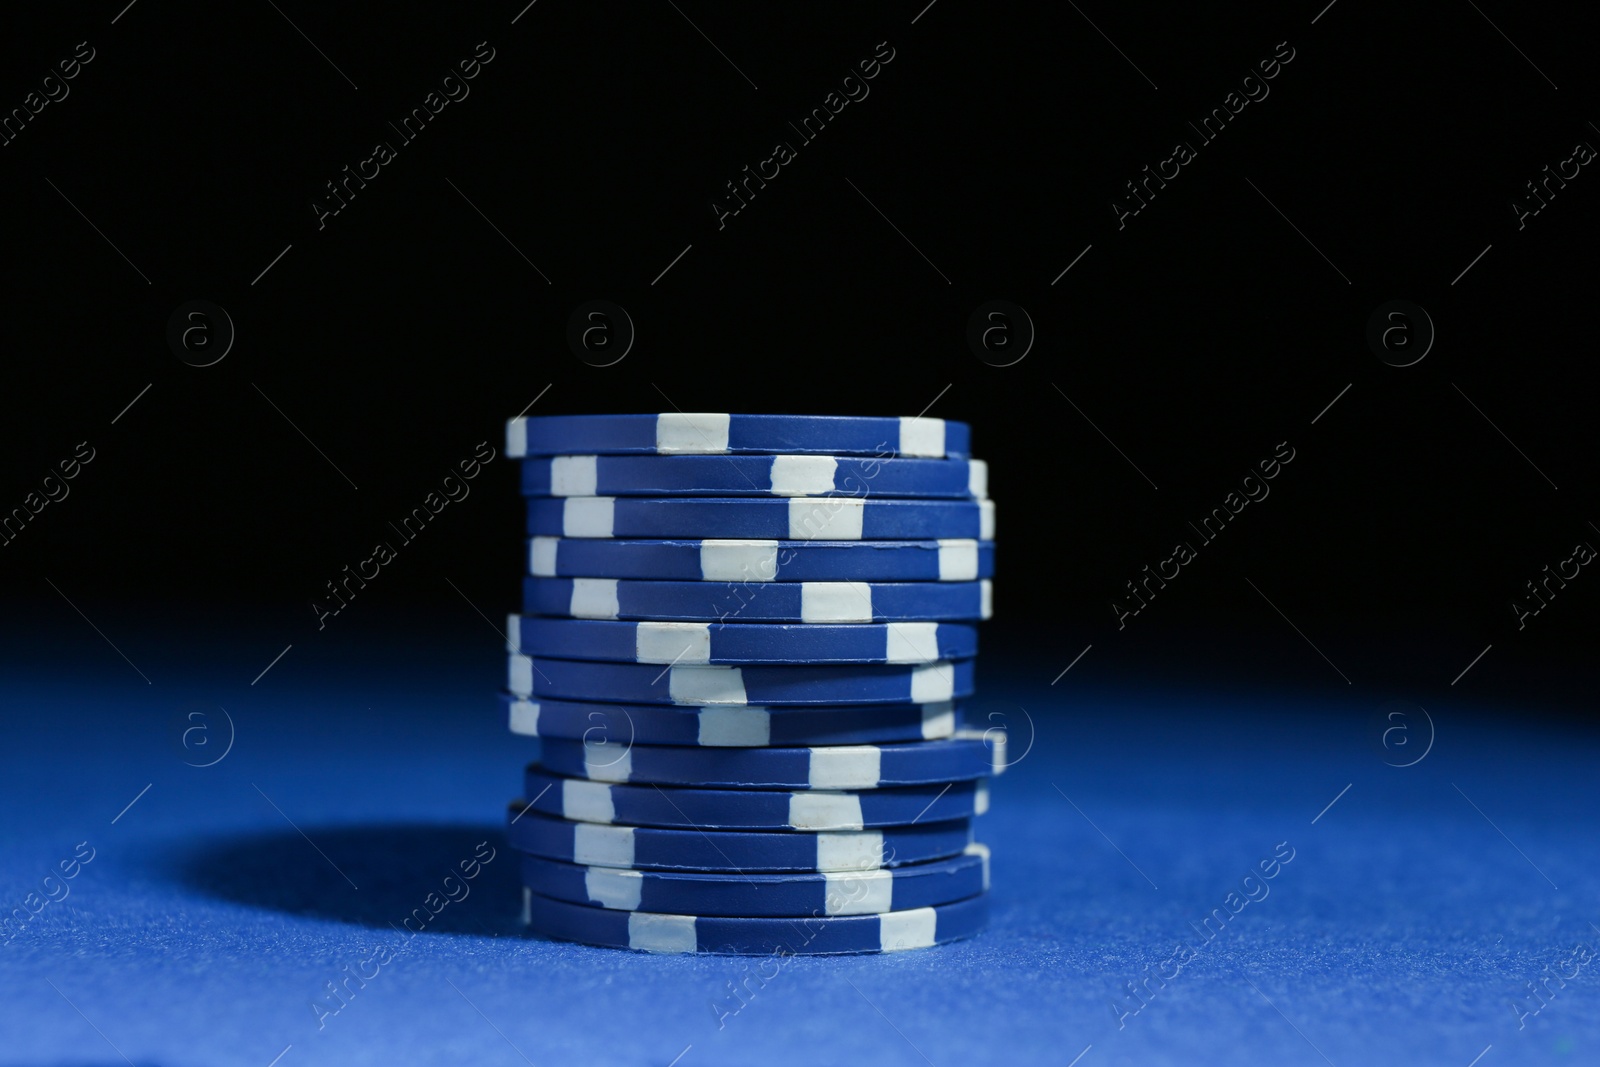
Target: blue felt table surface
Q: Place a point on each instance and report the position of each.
(1412, 915)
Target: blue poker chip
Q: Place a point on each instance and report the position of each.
(921, 885)
(815, 935)
(750, 809)
(789, 476)
(651, 848)
(726, 560)
(647, 683)
(681, 433)
(731, 726)
(810, 602)
(800, 518)
(740, 643)
(968, 755)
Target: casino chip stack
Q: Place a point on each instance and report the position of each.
(744, 644)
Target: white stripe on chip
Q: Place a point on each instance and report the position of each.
(738, 561)
(824, 810)
(958, 559)
(921, 437)
(844, 767)
(735, 727)
(851, 850)
(935, 682)
(602, 846)
(594, 598)
(825, 518)
(661, 933)
(574, 475)
(914, 928)
(519, 675)
(607, 761)
(835, 602)
(911, 642)
(672, 642)
(542, 556)
(706, 685)
(938, 720)
(803, 475)
(859, 892)
(525, 718)
(517, 437)
(588, 516)
(587, 801)
(680, 432)
(613, 887)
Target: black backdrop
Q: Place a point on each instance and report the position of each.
(377, 346)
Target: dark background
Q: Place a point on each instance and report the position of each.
(1196, 338)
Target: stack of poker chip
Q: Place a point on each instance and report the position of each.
(744, 644)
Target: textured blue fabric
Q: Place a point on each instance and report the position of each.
(206, 926)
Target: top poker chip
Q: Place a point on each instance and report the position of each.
(678, 433)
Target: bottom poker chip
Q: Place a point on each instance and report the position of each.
(819, 935)
(873, 892)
